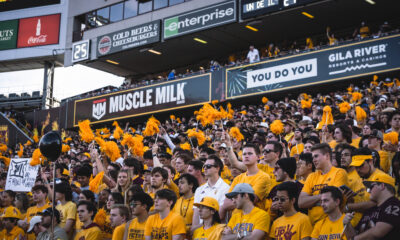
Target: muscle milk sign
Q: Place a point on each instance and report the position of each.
(139, 101)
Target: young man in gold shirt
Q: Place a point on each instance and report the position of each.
(119, 215)
(140, 207)
(10, 219)
(326, 175)
(90, 231)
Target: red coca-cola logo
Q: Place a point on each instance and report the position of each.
(104, 45)
(39, 31)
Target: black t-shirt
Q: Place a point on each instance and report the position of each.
(388, 212)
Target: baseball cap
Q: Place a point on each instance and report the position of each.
(49, 212)
(381, 178)
(376, 133)
(35, 220)
(11, 212)
(358, 160)
(208, 202)
(240, 188)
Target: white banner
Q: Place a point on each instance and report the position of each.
(21, 175)
(282, 73)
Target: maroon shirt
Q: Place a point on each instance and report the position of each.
(388, 212)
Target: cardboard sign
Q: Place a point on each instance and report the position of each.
(21, 175)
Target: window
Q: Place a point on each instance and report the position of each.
(160, 4)
(131, 8)
(116, 12)
(145, 7)
(174, 2)
(103, 16)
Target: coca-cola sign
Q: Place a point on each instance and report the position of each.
(39, 31)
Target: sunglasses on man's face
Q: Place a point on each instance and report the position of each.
(208, 166)
(266, 151)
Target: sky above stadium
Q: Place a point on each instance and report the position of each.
(68, 81)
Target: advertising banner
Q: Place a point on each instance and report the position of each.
(177, 94)
(253, 8)
(39, 31)
(315, 67)
(129, 38)
(21, 175)
(201, 19)
(8, 34)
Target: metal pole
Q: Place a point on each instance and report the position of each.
(53, 200)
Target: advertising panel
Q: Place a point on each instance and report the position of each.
(201, 19)
(177, 94)
(39, 31)
(8, 34)
(253, 8)
(129, 38)
(315, 67)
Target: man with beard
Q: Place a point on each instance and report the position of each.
(47, 220)
(382, 221)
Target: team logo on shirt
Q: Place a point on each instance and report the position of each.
(285, 232)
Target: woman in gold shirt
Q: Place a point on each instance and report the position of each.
(211, 228)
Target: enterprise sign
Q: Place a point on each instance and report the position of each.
(252, 8)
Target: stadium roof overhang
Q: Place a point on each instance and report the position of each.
(28, 64)
(222, 41)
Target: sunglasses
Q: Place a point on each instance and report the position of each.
(267, 151)
(282, 199)
(208, 166)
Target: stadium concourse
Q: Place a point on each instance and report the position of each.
(318, 167)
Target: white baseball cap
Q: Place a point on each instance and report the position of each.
(35, 220)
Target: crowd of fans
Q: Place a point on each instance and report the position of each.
(322, 167)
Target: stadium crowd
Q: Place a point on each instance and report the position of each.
(322, 167)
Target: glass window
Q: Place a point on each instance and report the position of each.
(103, 16)
(173, 2)
(91, 20)
(145, 7)
(131, 8)
(116, 12)
(160, 4)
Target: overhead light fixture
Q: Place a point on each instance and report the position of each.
(308, 15)
(144, 50)
(252, 28)
(154, 51)
(200, 40)
(113, 62)
(370, 2)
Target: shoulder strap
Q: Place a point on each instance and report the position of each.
(126, 229)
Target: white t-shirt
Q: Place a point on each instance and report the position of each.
(217, 191)
(253, 56)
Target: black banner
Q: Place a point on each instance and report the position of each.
(315, 67)
(129, 38)
(253, 8)
(182, 93)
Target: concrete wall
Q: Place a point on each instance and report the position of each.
(92, 34)
(40, 51)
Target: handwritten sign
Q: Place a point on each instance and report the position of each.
(21, 175)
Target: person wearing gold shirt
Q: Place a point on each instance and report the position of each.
(330, 227)
(140, 206)
(247, 221)
(90, 231)
(119, 215)
(184, 205)
(11, 230)
(211, 227)
(165, 224)
(292, 225)
(326, 175)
